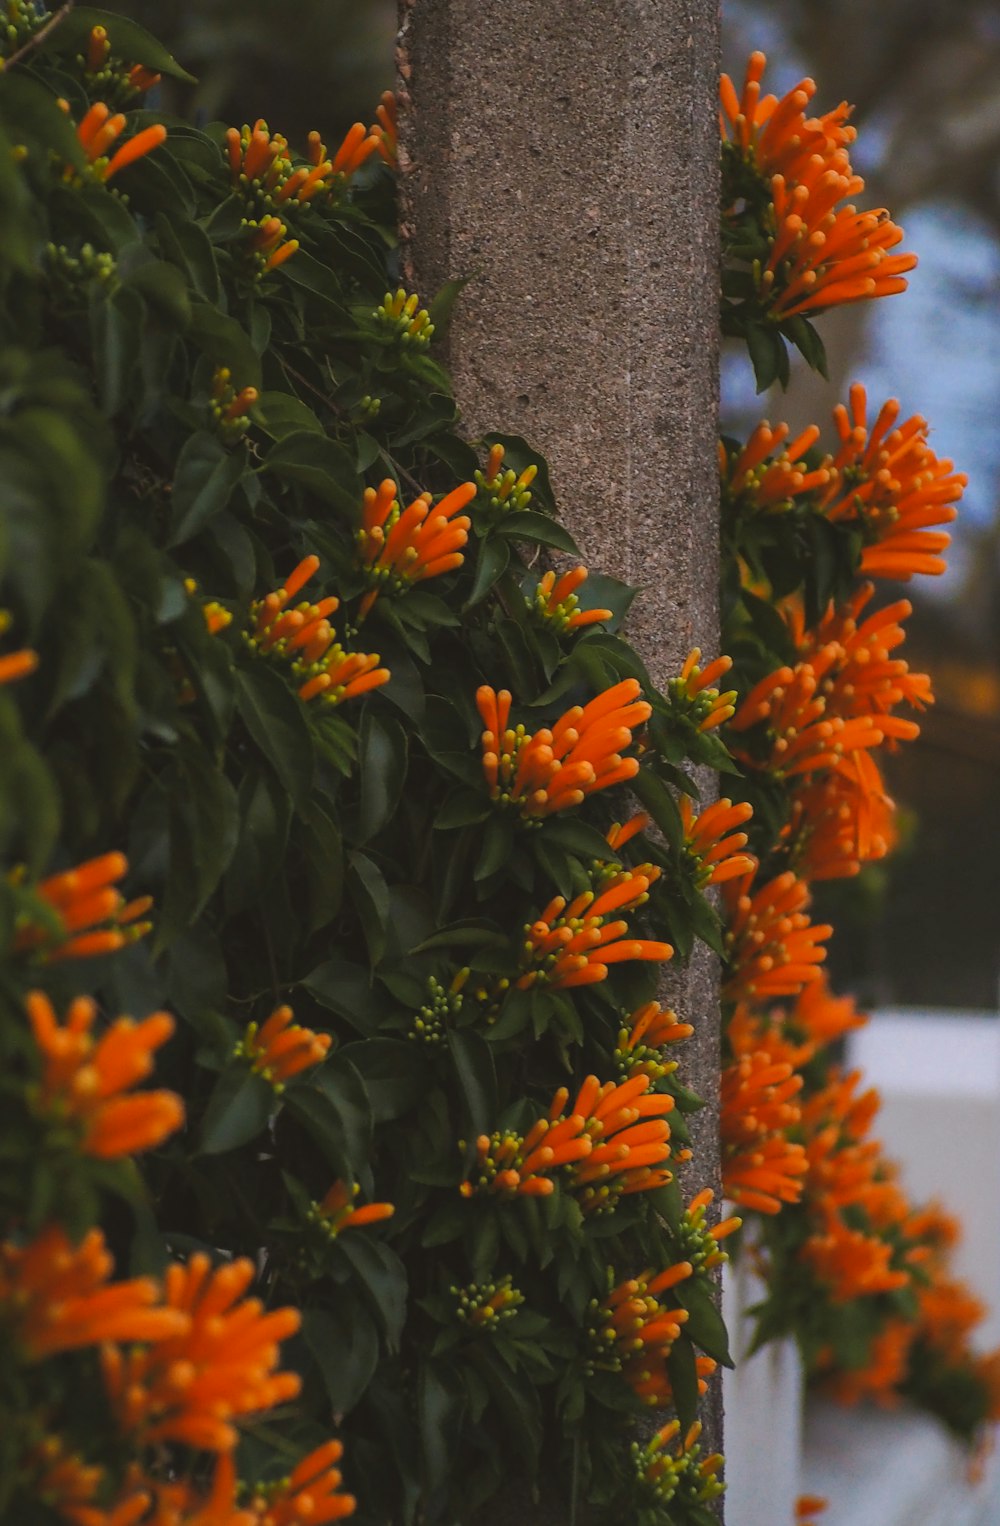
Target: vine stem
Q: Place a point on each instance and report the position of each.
(38, 37)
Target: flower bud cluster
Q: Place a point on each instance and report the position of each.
(402, 317)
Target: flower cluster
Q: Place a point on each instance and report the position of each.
(79, 914)
(786, 179)
(554, 769)
(400, 547)
(303, 637)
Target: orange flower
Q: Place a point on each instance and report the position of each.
(554, 770)
(891, 484)
(859, 676)
(506, 491)
(756, 1099)
(188, 1387)
(304, 637)
(400, 547)
(639, 1331)
(699, 1240)
(850, 1263)
(809, 1505)
(682, 1475)
(282, 1048)
(385, 127)
(557, 604)
(820, 255)
(802, 732)
(15, 665)
(765, 1175)
(63, 1482)
(83, 1078)
(644, 1038)
(823, 256)
(716, 856)
(58, 1298)
(267, 244)
(573, 945)
(758, 478)
(840, 820)
(99, 130)
(310, 1493)
(694, 693)
(775, 136)
(82, 899)
(631, 1139)
(336, 1211)
(772, 947)
(614, 1140)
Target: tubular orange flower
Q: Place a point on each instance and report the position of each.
(400, 547)
(358, 144)
(840, 821)
(639, 1331)
(64, 1483)
(99, 130)
(83, 1077)
(765, 1175)
(310, 1493)
(15, 665)
(614, 1140)
(631, 1140)
(336, 1211)
(809, 1505)
(699, 1241)
(715, 855)
(645, 1036)
(851, 1264)
(859, 676)
(573, 945)
(555, 769)
(681, 1474)
(772, 947)
(760, 478)
(188, 1387)
(774, 135)
(757, 1099)
(557, 604)
(57, 1296)
(803, 735)
(281, 1048)
(304, 637)
(257, 157)
(890, 482)
(505, 491)
(386, 127)
(82, 899)
(693, 691)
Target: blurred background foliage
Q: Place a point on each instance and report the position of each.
(304, 63)
(924, 79)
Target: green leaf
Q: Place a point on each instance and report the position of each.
(705, 1325)
(395, 1080)
(576, 837)
(440, 1410)
(371, 898)
(381, 1279)
(238, 1110)
(539, 529)
(683, 1375)
(472, 1058)
(766, 348)
(320, 465)
(129, 41)
(494, 559)
(117, 319)
(382, 750)
(204, 480)
(498, 843)
(225, 343)
(280, 414)
(463, 808)
(344, 1345)
(346, 989)
(274, 717)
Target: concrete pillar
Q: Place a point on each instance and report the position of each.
(565, 156)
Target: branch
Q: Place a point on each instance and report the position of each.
(37, 38)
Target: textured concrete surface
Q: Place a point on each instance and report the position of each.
(565, 156)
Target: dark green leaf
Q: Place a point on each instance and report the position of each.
(274, 717)
(205, 477)
(237, 1111)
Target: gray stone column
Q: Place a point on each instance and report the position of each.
(564, 154)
